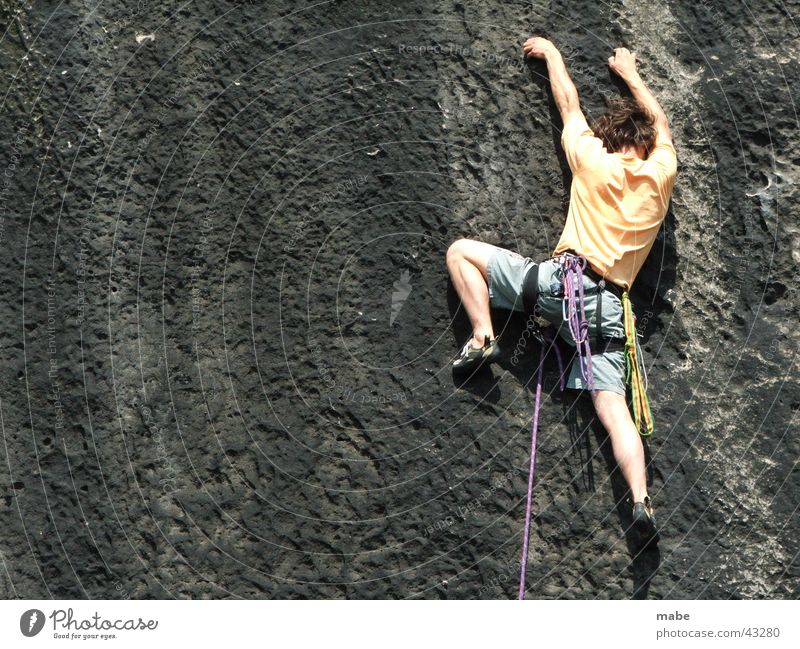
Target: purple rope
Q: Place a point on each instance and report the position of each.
(534, 431)
(580, 327)
(578, 324)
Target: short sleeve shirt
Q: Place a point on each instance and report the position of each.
(617, 202)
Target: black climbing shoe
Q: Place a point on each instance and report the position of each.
(471, 358)
(644, 524)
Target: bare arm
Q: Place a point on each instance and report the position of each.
(564, 92)
(623, 62)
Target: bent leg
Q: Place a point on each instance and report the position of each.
(466, 262)
(612, 409)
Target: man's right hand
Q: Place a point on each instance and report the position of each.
(538, 47)
(623, 63)
(564, 92)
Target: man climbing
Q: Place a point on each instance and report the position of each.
(623, 174)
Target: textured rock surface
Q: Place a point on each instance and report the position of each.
(227, 327)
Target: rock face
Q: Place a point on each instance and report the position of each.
(227, 324)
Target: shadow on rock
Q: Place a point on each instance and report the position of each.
(481, 383)
(583, 425)
(644, 562)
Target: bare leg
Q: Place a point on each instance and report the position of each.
(466, 262)
(612, 410)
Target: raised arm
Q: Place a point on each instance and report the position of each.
(623, 63)
(564, 91)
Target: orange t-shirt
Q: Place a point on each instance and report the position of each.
(617, 202)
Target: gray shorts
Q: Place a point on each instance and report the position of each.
(507, 270)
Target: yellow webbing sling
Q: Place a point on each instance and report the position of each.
(641, 404)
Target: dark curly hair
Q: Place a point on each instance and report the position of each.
(626, 123)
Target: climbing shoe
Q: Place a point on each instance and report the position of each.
(644, 524)
(471, 358)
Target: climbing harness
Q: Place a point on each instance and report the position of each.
(574, 314)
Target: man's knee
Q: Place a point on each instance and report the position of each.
(608, 400)
(456, 250)
(611, 408)
(475, 252)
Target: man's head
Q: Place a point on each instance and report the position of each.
(626, 125)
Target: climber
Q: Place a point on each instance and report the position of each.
(623, 172)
